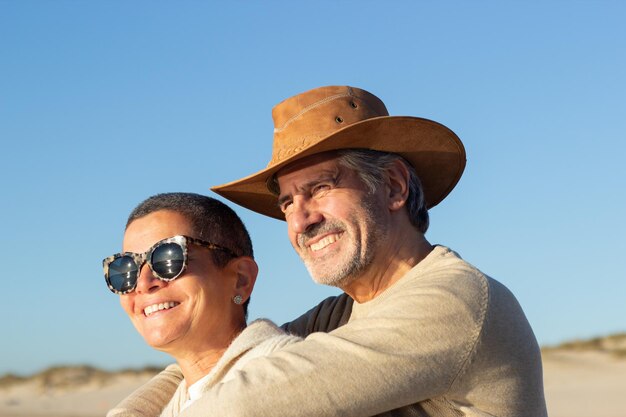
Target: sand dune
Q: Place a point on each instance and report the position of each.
(70, 391)
(582, 379)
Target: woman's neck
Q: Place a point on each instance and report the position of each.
(196, 366)
(198, 357)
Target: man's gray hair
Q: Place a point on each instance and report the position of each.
(371, 165)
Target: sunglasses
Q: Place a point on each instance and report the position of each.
(167, 259)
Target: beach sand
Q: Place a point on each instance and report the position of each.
(91, 399)
(584, 384)
(577, 384)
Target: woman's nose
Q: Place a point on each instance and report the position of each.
(147, 282)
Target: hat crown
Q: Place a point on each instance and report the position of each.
(340, 117)
(305, 119)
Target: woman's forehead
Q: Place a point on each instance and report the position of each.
(145, 231)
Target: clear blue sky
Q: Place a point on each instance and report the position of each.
(104, 103)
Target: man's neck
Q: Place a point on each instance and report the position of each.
(389, 266)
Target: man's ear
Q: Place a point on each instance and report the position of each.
(398, 185)
(246, 271)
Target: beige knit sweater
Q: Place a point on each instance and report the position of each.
(445, 340)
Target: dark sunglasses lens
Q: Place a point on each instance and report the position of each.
(123, 273)
(168, 260)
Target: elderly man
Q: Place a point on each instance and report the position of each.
(418, 331)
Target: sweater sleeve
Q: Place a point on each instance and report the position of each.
(406, 347)
(150, 399)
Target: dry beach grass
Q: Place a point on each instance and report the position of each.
(582, 379)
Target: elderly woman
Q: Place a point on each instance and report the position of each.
(184, 278)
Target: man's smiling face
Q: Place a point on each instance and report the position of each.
(334, 222)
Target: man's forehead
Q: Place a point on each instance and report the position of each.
(318, 163)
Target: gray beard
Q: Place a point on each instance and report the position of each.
(351, 267)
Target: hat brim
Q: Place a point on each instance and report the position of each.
(435, 151)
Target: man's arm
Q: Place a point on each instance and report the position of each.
(150, 399)
(410, 348)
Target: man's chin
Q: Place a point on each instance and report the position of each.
(332, 279)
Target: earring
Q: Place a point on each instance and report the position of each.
(238, 299)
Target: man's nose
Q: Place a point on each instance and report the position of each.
(304, 214)
(147, 282)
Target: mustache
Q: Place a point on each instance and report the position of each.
(320, 228)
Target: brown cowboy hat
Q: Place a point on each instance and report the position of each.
(331, 118)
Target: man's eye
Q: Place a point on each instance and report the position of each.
(319, 188)
(285, 205)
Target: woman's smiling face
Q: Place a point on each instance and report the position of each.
(191, 313)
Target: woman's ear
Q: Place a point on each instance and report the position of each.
(246, 270)
(398, 185)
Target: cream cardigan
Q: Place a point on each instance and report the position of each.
(444, 341)
(258, 339)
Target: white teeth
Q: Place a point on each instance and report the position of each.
(157, 307)
(324, 242)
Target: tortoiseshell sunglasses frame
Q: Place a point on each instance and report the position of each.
(141, 258)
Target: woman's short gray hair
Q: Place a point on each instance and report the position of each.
(371, 165)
